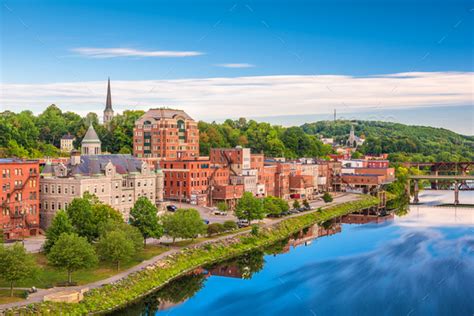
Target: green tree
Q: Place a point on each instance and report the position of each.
(132, 232)
(80, 214)
(184, 223)
(296, 204)
(143, 216)
(60, 224)
(327, 197)
(249, 208)
(222, 206)
(15, 264)
(115, 247)
(102, 215)
(71, 253)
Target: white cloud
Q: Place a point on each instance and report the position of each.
(241, 65)
(130, 52)
(216, 98)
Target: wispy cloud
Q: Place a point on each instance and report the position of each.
(94, 52)
(252, 96)
(236, 65)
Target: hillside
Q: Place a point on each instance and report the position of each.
(403, 142)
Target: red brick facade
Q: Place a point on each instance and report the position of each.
(19, 198)
(166, 134)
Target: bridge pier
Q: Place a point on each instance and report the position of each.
(416, 190)
(456, 192)
(434, 185)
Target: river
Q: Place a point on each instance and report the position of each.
(421, 263)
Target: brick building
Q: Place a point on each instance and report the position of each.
(166, 134)
(187, 180)
(19, 198)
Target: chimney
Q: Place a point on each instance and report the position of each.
(75, 157)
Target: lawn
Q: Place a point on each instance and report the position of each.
(48, 276)
(5, 296)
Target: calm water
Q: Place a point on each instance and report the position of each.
(418, 264)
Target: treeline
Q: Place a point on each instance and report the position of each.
(26, 135)
(402, 142)
(273, 140)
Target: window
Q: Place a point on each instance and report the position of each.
(72, 189)
(59, 189)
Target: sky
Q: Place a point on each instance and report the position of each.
(279, 61)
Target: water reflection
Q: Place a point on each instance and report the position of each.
(360, 264)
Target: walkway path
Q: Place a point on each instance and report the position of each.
(39, 296)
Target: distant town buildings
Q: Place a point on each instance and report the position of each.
(67, 143)
(117, 180)
(19, 198)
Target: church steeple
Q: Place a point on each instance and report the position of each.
(108, 112)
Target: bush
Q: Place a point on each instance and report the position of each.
(230, 225)
(215, 228)
(327, 197)
(296, 204)
(255, 230)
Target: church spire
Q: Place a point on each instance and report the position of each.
(108, 112)
(108, 103)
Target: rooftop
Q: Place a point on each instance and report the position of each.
(163, 113)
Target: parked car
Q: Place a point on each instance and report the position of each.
(171, 208)
(274, 215)
(293, 211)
(220, 213)
(286, 213)
(242, 223)
(205, 221)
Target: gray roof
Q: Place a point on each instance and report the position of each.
(91, 136)
(68, 136)
(91, 165)
(94, 165)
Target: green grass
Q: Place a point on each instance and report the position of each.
(48, 276)
(5, 296)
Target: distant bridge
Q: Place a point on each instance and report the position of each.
(457, 180)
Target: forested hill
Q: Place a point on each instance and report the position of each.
(403, 142)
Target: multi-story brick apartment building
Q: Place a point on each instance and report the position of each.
(166, 134)
(117, 180)
(19, 198)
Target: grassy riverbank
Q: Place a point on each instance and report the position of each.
(48, 276)
(136, 285)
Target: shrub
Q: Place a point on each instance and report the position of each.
(327, 197)
(215, 228)
(230, 225)
(296, 204)
(255, 230)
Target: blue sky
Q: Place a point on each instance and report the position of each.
(51, 42)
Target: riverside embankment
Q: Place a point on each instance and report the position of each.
(134, 286)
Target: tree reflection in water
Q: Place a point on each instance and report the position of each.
(175, 293)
